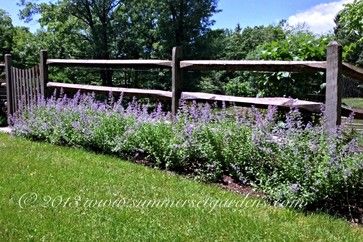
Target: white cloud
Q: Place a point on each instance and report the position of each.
(320, 18)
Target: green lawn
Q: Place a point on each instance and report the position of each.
(58, 173)
(354, 102)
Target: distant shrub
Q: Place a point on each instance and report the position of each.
(289, 160)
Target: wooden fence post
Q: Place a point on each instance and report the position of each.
(43, 72)
(333, 96)
(177, 80)
(9, 86)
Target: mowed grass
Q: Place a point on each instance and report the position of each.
(56, 174)
(354, 102)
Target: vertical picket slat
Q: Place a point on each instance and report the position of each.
(29, 86)
(18, 84)
(25, 88)
(35, 90)
(32, 85)
(30, 89)
(18, 88)
(35, 84)
(22, 88)
(38, 82)
(14, 86)
(15, 100)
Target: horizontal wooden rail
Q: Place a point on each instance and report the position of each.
(269, 66)
(353, 71)
(2, 65)
(233, 65)
(258, 102)
(199, 96)
(111, 63)
(244, 101)
(254, 65)
(126, 91)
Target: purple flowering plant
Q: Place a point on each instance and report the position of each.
(288, 159)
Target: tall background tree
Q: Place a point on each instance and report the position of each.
(183, 23)
(133, 29)
(85, 20)
(6, 34)
(349, 31)
(127, 28)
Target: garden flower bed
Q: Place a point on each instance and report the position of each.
(288, 160)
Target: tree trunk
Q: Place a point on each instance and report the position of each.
(106, 77)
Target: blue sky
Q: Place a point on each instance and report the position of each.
(255, 12)
(317, 14)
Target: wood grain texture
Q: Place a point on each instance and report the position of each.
(281, 102)
(199, 96)
(104, 89)
(111, 63)
(43, 72)
(333, 96)
(353, 71)
(254, 65)
(260, 102)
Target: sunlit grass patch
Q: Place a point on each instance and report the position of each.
(53, 172)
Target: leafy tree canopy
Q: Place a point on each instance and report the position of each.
(6, 34)
(349, 31)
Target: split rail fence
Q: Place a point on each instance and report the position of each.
(28, 84)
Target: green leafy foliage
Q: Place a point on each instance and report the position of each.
(116, 29)
(132, 29)
(237, 45)
(349, 31)
(296, 46)
(6, 33)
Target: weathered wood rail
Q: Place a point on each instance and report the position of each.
(143, 64)
(167, 95)
(134, 92)
(333, 66)
(313, 107)
(254, 65)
